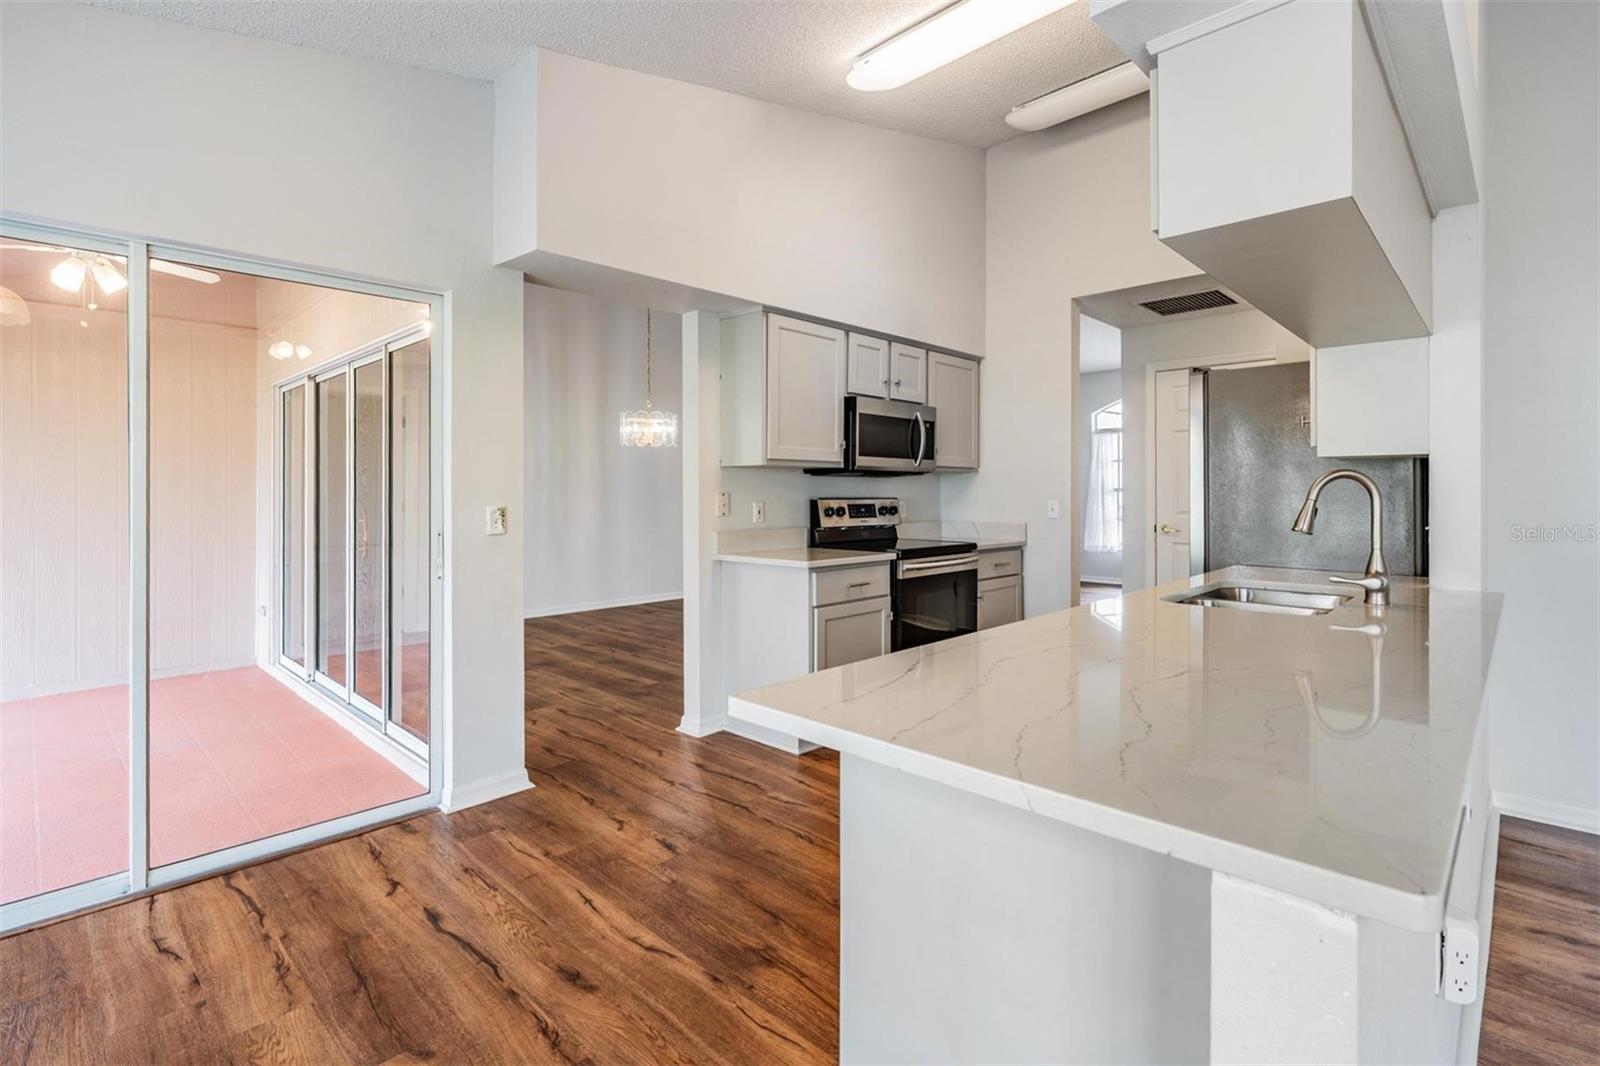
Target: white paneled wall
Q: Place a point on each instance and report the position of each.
(63, 499)
(202, 496)
(63, 502)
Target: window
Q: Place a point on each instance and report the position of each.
(1102, 523)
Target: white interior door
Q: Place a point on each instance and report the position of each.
(1170, 544)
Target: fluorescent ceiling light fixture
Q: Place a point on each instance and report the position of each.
(1079, 98)
(962, 27)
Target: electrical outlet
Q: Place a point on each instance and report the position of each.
(1460, 975)
(724, 505)
(758, 512)
(495, 522)
(1052, 508)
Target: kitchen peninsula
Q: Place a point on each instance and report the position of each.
(1146, 831)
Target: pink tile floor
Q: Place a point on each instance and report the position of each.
(234, 756)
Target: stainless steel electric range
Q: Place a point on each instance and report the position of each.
(934, 583)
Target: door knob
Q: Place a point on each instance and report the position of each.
(1167, 529)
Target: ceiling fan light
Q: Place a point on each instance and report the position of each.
(957, 30)
(281, 350)
(302, 351)
(13, 309)
(108, 277)
(68, 274)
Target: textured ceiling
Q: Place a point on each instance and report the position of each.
(793, 52)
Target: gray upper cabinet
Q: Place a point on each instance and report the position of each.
(869, 366)
(783, 384)
(784, 380)
(908, 373)
(953, 392)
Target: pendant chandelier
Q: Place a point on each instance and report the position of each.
(649, 428)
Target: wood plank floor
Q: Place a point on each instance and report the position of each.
(1542, 996)
(656, 899)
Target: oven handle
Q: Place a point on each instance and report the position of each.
(922, 438)
(943, 565)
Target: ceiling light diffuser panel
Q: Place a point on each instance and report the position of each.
(1079, 98)
(957, 30)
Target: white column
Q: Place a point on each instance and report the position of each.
(699, 436)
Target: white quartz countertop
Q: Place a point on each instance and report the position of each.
(1325, 756)
(805, 558)
(996, 543)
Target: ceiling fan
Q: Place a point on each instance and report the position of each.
(68, 274)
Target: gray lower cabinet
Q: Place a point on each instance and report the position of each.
(999, 601)
(849, 632)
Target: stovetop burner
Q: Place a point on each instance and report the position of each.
(912, 548)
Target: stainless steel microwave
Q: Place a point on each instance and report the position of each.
(887, 436)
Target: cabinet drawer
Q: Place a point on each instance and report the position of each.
(849, 583)
(1004, 563)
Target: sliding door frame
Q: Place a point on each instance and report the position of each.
(139, 878)
(378, 353)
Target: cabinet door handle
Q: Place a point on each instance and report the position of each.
(1164, 528)
(859, 585)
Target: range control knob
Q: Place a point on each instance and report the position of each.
(894, 510)
(827, 512)
(883, 510)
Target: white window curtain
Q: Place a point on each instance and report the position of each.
(1102, 522)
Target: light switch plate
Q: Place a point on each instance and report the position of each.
(495, 522)
(758, 512)
(1052, 508)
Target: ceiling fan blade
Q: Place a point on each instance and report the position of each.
(178, 270)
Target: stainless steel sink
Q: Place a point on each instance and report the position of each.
(1260, 598)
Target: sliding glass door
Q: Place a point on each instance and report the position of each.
(370, 501)
(220, 503)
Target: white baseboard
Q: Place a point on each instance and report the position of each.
(460, 797)
(702, 727)
(1534, 809)
(601, 605)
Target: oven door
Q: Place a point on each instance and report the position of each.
(934, 599)
(888, 435)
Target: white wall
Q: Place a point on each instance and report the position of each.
(1094, 392)
(607, 525)
(345, 164)
(1068, 214)
(1541, 389)
(732, 195)
(1198, 341)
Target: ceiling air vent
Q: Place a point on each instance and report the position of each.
(1194, 301)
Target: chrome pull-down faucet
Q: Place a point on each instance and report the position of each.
(1376, 579)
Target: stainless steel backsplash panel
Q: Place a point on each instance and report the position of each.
(1259, 465)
